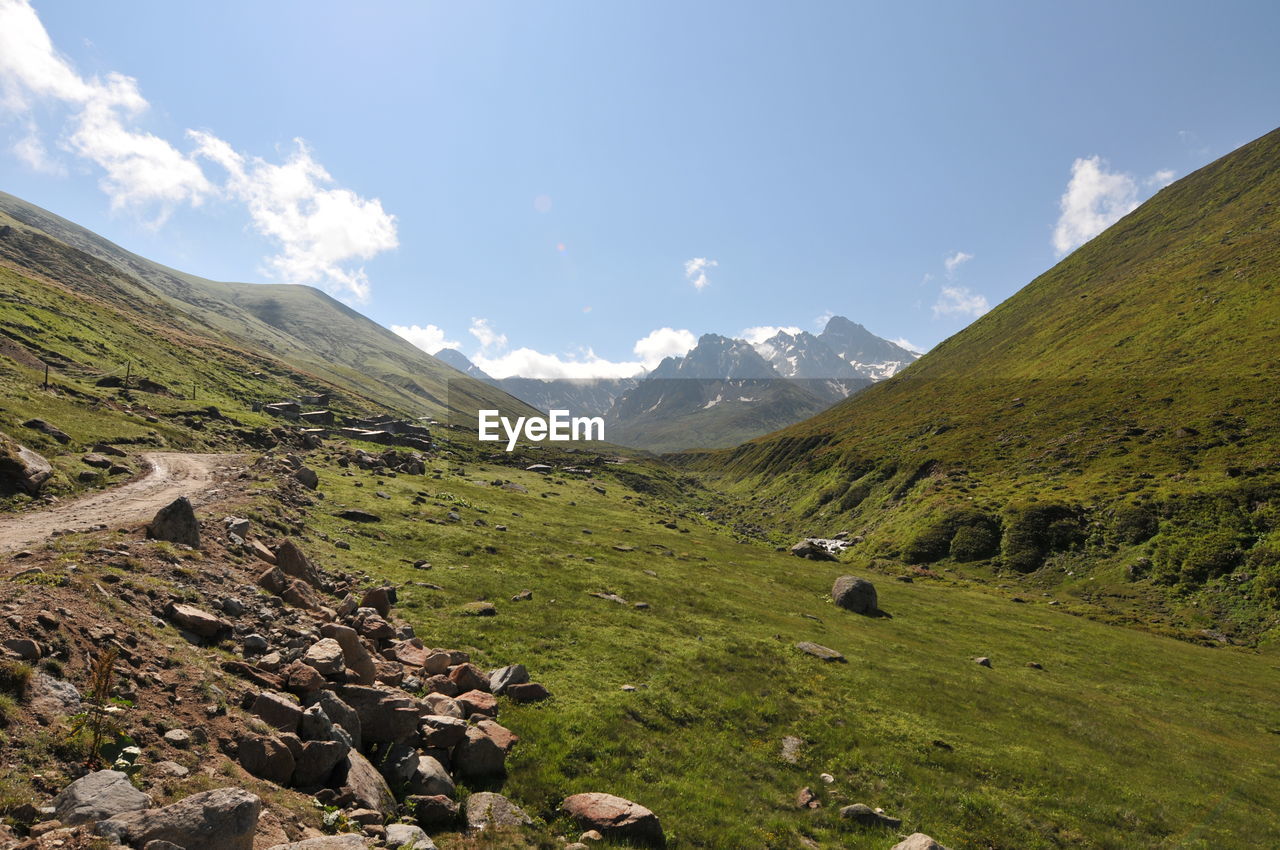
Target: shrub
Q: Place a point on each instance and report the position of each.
(978, 534)
(1193, 557)
(1033, 530)
(1132, 524)
(15, 677)
(1264, 561)
(931, 544)
(974, 543)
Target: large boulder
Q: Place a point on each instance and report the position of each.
(386, 716)
(223, 819)
(359, 783)
(267, 757)
(918, 841)
(277, 710)
(406, 836)
(293, 562)
(342, 715)
(316, 762)
(614, 817)
(198, 622)
(513, 674)
(430, 779)
(48, 430)
(813, 550)
(21, 469)
(176, 522)
(357, 656)
(486, 809)
(98, 796)
(479, 757)
(855, 594)
(326, 657)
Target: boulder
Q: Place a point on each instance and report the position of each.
(315, 764)
(811, 549)
(326, 657)
(301, 678)
(342, 715)
(386, 716)
(406, 836)
(468, 677)
(48, 430)
(359, 782)
(431, 779)
(478, 702)
(97, 461)
(299, 594)
(294, 563)
(817, 650)
(442, 731)
(223, 819)
(854, 594)
(864, 815)
(487, 809)
(97, 796)
(918, 841)
(176, 523)
(199, 622)
(273, 580)
(278, 711)
(24, 648)
(379, 599)
(440, 703)
(307, 477)
(433, 812)
(21, 469)
(369, 623)
(513, 674)
(407, 652)
(499, 734)
(267, 757)
(528, 692)
(615, 818)
(357, 657)
(479, 757)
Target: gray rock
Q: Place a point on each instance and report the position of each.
(197, 621)
(223, 819)
(237, 526)
(25, 648)
(431, 779)
(362, 785)
(316, 762)
(307, 477)
(97, 796)
(179, 738)
(918, 841)
(254, 644)
(487, 809)
(514, 674)
(176, 523)
(812, 550)
(817, 650)
(277, 710)
(854, 594)
(342, 716)
(406, 836)
(326, 657)
(866, 816)
(386, 716)
(479, 757)
(354, 652)
(267, 757)
(443, 731)
(21, 469)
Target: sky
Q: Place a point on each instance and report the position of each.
(576, 189)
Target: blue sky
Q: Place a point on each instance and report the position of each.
(547, 184)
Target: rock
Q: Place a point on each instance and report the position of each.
(179, 738)
(406, 836)
(302, 679)
(817, 650)
(514, 674)
(433, 812)
(21, 469)
(97, 461)
(487, 809)
(97, 796)
(524, 595)
(199, 622)
(408, 652)
(327, 842)
(299, 594)
(480, 609)
(982, 661)
(386, 716)
(854, 594)
(370, 624)
(357, 657)
(278, 711)
(24, 648)
(362, 784)
(238, 526)
(47, 429)
(791, 749)
(342, 716)
(918, 841)
(499, 734)
(812, 550)
(479, 757)
(254, 644)
(442, 731)
(261, 552)
(223, 819)
(867, 816)
(615, 818)
(307, 477)
(267, 757)
(317, 761)
(273, 580)
(294, 563)
(172, 769)
(379, 599)
(430, 779)
(528, 692)
(807, 799)
(478, 703)
(176, 523)
(440, 703)
(358, 516)
(1035, 665)
(468, 677)
(326, 657)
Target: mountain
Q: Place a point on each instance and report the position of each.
(296, 325)
(803, 356)
(1111, 428)
(580, 396)
(459, 361)
(868, 354)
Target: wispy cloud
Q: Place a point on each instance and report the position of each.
(664, 342)
(960, 301)
(910, 346)
(320, 231)
(489, 339)
(761, 333)
(430, 339)
(695, 271)
(955, 261)
(1097, 198)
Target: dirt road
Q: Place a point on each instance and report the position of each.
(171, 475)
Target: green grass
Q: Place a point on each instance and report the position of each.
(1122, 734)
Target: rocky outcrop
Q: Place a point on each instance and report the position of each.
(21, 469)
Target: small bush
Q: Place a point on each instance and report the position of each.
(978, 534)
(929, 545)
(15, 678)
(974, 543)
(1033, 530)
(1264, 561)
(1131, 524)
(1193, 558)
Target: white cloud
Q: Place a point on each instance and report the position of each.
(955, 261)
(430, 339)
(910, 346)
(695, 271)
(320, 230)
(527, 363)
(664, 342)
(1095, 199)
(821, 321)
(960, 301)
(759, 334)
(488, 337)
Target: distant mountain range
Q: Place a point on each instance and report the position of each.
(721, 392)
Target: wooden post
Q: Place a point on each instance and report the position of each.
(193, 390)
(128, 370)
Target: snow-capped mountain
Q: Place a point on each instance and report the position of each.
(870, 356)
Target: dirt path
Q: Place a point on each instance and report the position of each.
(171, 474)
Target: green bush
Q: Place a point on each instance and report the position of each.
(1194, 557)
(1264, 561)
(931, 544)
(1035, 529)
(974, 543)
(15, 677)
(1132, 524)
(978, 534)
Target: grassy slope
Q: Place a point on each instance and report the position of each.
(1135, 372)
(296, 324)
(1122, 734)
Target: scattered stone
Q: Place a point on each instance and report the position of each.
(278, 711)
(254, 644)
(326, 657)
(806, 798)
(918, 841)
(867, 816)
(514, 674)
(97, 461)
(480, 609)
(223, 819)
(24, 648)
(615, 817)
(379, 599)
(523, 596)
(198, 622)
(176, 523)
(307, 477)
(791, 749)
(811, 549)
(266, 757)
(358, 516)
(982, 661)
(47, 429)
(487, 809)
(817, 650)
(179, 738)
(97, 796)
(854, 594)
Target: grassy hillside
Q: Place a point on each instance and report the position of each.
(1119, 734)
(297, 325)
(1112, 427)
